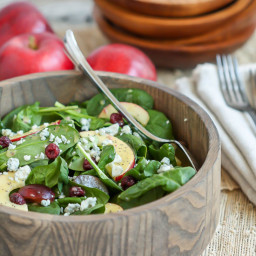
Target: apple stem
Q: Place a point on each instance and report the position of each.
(32, 43)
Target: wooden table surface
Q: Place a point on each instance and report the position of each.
(236, 233)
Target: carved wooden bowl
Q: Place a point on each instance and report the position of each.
(172, 8)
(168, 27)
(181, 223)
(186, 53)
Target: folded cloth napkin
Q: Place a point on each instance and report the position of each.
(236, 130)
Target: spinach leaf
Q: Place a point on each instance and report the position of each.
(34, 146)
(8, 119)
(26, 118)
(102, 176)
(63, 202)
(166, 150)
(76, 115)
(50, 175)
(136, 143)
(168, 181)
(53, 208)
(148, 197)
(98, 208)
(102, 197)
(76, 163)
(137, 96)
(107, 155)
(144, 169)
(159, 125)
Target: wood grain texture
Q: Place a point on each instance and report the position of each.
(181, 223)
(159, 27)
(172, 55)
(172, 8)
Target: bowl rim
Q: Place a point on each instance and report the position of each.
(214, 149)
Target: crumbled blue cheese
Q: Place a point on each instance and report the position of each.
(118, 159)
(46, 124)
(8, 132)
(13, 164)
(44, 134)
(71, 208)
(11, 146)
(34, 127)
(45, 202)
(62, 195)
(57, 140)
(137, 135)
(111, 130)
(85, 124)
(22, 173)
(40, 156)
(113, 169)
(95, 152)
(165, 165)
(20, 132)
(88, 203)
(27, 157)
(52, 137)
(20, 141)
(126, 130)
(65, 140)
(92, 139)
(166, 161)
(106, 142)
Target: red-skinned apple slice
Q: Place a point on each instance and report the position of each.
(122, 149)
(38, 129)
(139, 113)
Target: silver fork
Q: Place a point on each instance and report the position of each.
(231, 86)
(75, 54)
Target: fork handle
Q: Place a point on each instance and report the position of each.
(252, 114)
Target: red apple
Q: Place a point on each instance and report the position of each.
(21, 18)
(32, 53)
(121, 58)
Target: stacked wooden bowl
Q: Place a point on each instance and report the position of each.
(178, 34)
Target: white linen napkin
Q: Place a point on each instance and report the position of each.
(236, 130)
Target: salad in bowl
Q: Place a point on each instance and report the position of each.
(83, 158)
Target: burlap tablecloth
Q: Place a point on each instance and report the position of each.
(236, 232)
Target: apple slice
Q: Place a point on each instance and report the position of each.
(112, 208)
(139, 113)
(7, 184)
(122, 149)
(36, 130)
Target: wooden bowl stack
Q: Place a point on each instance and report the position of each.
(178, 34)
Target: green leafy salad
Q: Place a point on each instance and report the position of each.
(84, 158)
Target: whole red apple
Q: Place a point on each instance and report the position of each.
(21, 18)
(121, 58)
(32, 53)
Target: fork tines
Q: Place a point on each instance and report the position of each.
(230, 82)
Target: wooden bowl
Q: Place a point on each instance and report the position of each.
(181, 223)
(167, 54)
(163, 28)
(172, 8)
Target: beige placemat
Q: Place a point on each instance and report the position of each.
(236, 232)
